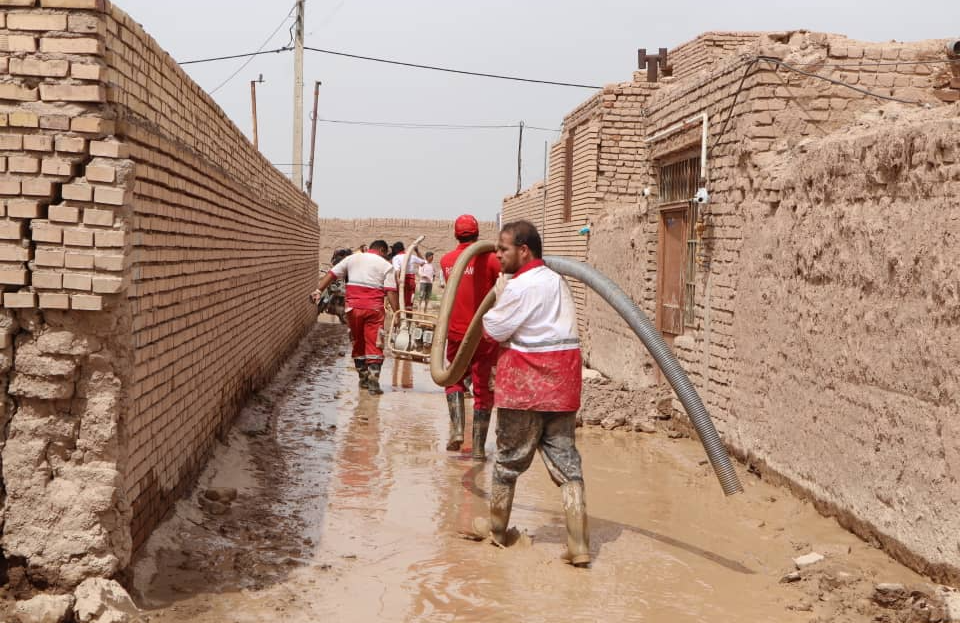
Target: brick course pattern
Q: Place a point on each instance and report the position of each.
(764, 294)
(134, 215)
(336, 233)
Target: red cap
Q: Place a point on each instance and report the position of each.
(466, 225)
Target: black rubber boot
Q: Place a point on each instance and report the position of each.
(575, 511)
(481, 424)
(501, 503)
(455, 407)
(373, 378)
(361, 365)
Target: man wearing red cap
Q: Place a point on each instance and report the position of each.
(478, 278)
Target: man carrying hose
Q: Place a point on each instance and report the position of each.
(478, 278)
(410, 282)
(538, 385)
(369, 277)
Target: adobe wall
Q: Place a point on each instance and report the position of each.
(845, 328)
(795, 379)
(336, 233)
(155, 269)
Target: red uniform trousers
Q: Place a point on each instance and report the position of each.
(365, 325)
(409, 289)
(480, 369)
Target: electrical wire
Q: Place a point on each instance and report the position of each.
(750, 65)
(752, 62)
(435, 126)
(890, 98)
(263, 45)
(866, 63)
(233, 56)
(452, 71)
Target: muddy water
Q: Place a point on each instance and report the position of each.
(364, 506)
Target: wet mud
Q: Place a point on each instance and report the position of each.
(349, 509)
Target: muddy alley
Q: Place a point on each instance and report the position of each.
(348, 509)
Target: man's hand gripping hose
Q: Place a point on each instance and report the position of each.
(628, 310)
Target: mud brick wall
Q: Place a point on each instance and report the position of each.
(155, 270)
(336, 233)
(759, 316)
(846, 331)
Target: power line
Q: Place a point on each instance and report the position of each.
(452, 71)
(868, 63)
(890, 98)
(250, 58)
(435, 126)
(233, 56)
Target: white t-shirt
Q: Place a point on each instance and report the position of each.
(427, 273)
(400, 258)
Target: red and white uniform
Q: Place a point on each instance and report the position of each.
(410, 283)
(535, 321)
(478, 279)
(369, 277)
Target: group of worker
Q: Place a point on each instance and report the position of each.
(529, 336)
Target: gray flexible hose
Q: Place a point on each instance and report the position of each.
(628, 310)
(651, 338)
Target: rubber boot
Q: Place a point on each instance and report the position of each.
(575, 510)
(481, 423)
(501, 503)
(455, 406)
(373, 378)
(361, 365)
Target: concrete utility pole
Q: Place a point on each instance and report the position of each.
(253, 105)
(519, 160)
(298, 98)
(313, 137)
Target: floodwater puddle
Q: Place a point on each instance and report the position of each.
(357, 508)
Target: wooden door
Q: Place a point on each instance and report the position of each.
(670, 269)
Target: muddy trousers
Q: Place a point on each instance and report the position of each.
(520, 434)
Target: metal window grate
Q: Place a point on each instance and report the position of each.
(678, 180)
(689, 287)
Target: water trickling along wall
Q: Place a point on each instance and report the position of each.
(154, 269)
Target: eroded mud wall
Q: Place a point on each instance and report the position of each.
(847, 331)
(155, 270)
(833, 372)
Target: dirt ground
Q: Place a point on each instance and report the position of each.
(349, 510)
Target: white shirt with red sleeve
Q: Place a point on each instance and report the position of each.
(535, 321)
(368, 277)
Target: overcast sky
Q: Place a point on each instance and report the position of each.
(375, 171)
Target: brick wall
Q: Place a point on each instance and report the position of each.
(766, 297)
(338, 233)
(155, 269)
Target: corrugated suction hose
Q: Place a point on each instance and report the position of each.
(628, 310)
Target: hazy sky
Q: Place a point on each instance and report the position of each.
(376, 171)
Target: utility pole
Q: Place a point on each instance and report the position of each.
(543, 218)
(313, 137)
(298, 98)
(253, 105)
(519, 162)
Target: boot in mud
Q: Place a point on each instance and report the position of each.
(361, 365)
(481, 423)
(501, 502)
(373, 379)
(455, 406)
(575, 510)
